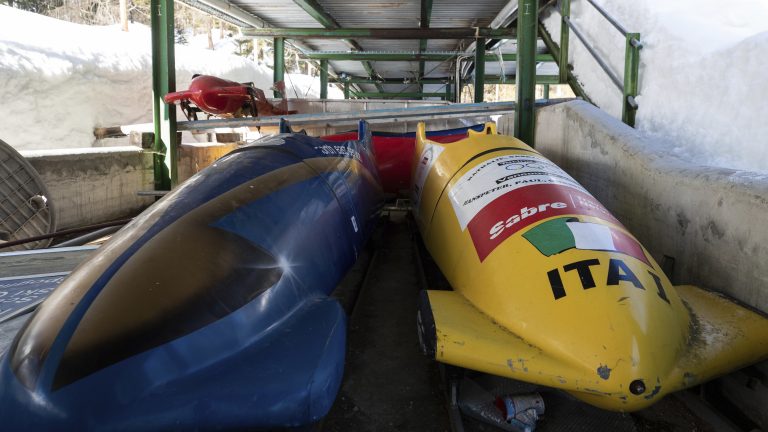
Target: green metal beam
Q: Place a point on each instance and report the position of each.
(279, 63)
(565, 13)
(489, 79)
(411, 95)
(527, 21)
(359, 80)
(411, 56)
(426, 16)
(511, 79)
(571, 79)
(316, 11)
(546, 91)
(166, 150)
(631, 72)
(372, 73)
(380, 33)
(346, 90)
(479, 69)
(323, 79)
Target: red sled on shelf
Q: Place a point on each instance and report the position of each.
(223, 98)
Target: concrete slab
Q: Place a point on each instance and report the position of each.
(709, 221)
(388, 385)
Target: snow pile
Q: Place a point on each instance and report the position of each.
(60, 80)
(702, 73)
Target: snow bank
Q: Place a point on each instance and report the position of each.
(60, 80)
(702, 73)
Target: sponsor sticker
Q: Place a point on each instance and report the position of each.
(505, 194)
(338, 150)
(524, 206)
(495, 177)
(427, 159)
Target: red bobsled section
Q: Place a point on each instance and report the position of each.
(394, 153)
(213, 95)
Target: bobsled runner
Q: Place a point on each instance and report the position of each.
(210, 310)
(549, 288)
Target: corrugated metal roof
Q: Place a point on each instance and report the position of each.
(387, 14)
(463, 13)
(278, 13)
(374, 14)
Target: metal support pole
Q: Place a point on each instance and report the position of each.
(323, 79)
(346, 89)
(546, 91)
(479, 69)
(279, 63)
(457, 81)
(631, 71)
(447, 91)
(565, 12)
(163, 82)
(527, 20)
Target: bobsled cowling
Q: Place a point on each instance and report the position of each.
(210, 310)
(550, 288)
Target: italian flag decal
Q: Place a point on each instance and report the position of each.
(558, 235)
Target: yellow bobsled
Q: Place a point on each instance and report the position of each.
(549, 288)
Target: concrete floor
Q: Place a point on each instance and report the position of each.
(389, 385)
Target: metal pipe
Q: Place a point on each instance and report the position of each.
(359, 80)
(401, 95)
(610, 19)
(380, 33)
(412, 55)
(615, 79)
(63, 232)
(79, 241)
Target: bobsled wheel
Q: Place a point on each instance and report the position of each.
(425, 325)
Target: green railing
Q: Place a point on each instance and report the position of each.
(627, 86)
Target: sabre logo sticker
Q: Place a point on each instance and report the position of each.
(525, 212)
(522, 207)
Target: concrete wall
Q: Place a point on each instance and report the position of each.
(712, 221)
(93, 185)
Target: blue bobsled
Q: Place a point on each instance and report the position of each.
(211, 309)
